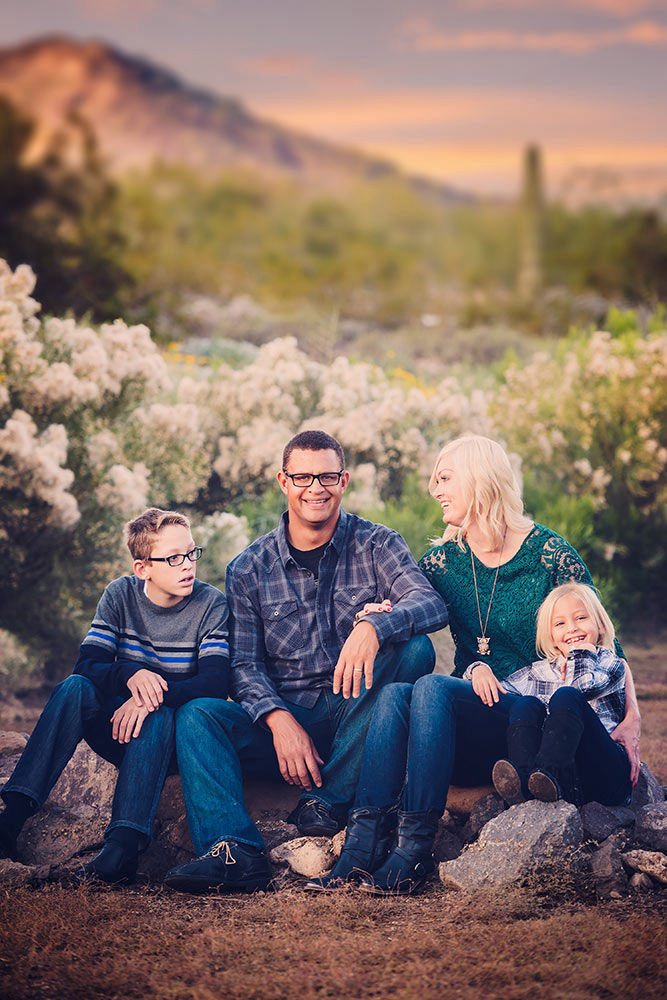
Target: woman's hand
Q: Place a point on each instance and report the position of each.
(485, 684)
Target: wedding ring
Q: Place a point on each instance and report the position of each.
(357, 670)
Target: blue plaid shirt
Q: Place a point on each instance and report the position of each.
(600, 676)
(287, 629)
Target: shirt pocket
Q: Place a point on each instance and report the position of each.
(349, 600)
(283, 632)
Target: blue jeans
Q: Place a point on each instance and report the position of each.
(75, 711)
(424, 737)
(217, 743)
(602, 765)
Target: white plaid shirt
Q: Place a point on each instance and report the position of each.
(600, 676)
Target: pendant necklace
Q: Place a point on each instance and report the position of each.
(483, 640)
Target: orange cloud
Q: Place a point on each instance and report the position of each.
(424, 37)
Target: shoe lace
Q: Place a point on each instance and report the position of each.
(222, 847)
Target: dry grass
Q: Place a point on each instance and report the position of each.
(149, 944)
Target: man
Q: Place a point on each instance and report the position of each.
(307, 662)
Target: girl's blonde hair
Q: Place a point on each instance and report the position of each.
(490, 489)
(590, 600)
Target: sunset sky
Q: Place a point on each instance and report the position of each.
(452, 89)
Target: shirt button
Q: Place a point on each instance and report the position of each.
(354, 597)
(276, 612)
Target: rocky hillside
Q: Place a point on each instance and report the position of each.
(142, 112)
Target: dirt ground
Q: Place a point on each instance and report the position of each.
(549, 941)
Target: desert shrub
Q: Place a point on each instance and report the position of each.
(589, 424)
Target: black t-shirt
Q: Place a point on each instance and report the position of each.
(308, 558)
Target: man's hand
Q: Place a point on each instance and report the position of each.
(485, 684)
(147, 689)
(357, 658)
(627, 733)
(127, 721)
(297, 756)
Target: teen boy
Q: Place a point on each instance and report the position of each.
(295, 596)
(158, 639)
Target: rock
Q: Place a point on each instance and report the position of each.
(515, 843)
(460, 801)
(651, 826)
(639, 882)
(14, 874)
(646, 791)
(601, 821)
(653, 863)
(76, 813)
(337, 842)
(309, 856)
(609, 875)
(485, 809)
(447, 845)
(12, 743)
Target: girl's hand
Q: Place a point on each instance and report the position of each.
(371, 609)
(485, 684)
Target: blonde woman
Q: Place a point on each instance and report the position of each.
(494, 567)
(567, 753)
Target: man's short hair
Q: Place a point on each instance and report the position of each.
(142, 532)
(313, 441)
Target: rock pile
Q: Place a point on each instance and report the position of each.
(480, 841)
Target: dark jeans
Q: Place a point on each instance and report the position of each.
(217, 743)
(424, 737)
(74, 712)
(602, 765)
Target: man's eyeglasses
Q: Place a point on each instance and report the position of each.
(307, 478)
(178, 558)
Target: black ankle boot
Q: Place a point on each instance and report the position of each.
(555, 776)
(370, 834)
(18, 808)
(510, 777)
(411, 861)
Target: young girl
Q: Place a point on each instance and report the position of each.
(558, 740)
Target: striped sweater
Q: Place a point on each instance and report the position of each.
(187, 643)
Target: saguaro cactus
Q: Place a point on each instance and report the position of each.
(531, 210)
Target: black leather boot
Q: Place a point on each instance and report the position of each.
(555, 776)
(510, 777)
(370, 834)
(411, 861)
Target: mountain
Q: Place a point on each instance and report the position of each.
(142, 112)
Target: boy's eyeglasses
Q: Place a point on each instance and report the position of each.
(307, 478)
(178, 558)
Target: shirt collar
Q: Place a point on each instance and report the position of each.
(337, 539)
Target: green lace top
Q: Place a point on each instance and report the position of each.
(543, 561)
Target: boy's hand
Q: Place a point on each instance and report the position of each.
(485, 684)
(127, 721)
(147, 689)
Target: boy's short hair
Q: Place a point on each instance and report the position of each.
(142, 532)
(590, 600)
(313, 441)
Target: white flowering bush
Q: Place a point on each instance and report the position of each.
(81, 449)
(93, 429)
(589, 424)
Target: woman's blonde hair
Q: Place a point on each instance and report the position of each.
(590, 600)
(490, 489)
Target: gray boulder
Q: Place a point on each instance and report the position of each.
(647, 790)
(486, 808)
(651, 826)
(609, 876)
(601, 821)
(515, 844)
(652, 863)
